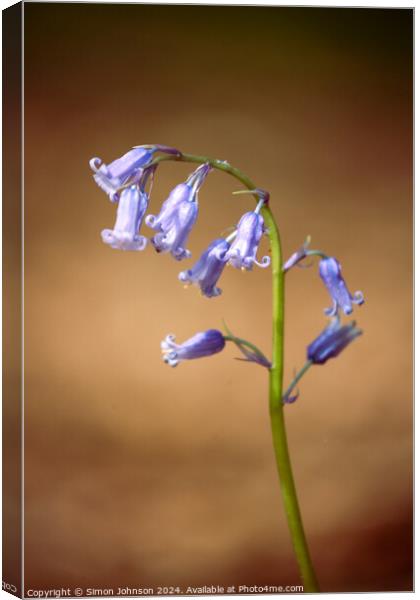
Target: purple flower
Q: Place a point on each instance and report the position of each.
(174, 237)
(131, 208)
(330, 273)
(112, 177)
(207, 270)
(332, 341)
(201, 344)
(243, 251)
(177, 216)
(179, 194)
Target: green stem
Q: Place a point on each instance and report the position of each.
(278, 425)
(316, 253)
(233, 338)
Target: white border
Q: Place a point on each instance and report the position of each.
(343, 4)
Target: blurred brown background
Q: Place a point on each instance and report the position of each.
(137, 474)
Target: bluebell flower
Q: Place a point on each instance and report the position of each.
(175, 235)
(332, 341)
(181, 193)
(243, 251)
(207, 270)
(131, 208)
(112, 177)
(177, 216)
(201, 344)
(330, 273)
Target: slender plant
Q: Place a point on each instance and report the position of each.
(128, 181)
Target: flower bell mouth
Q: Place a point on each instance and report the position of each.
(201, 344)
(330, 273)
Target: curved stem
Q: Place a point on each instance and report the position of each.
(221, 165)
(254, 356)
(316, 253)
(295, 381)
(253, 347)
(278, 425)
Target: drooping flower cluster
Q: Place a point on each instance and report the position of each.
(335, 337)
(128, 181)
(125, 180)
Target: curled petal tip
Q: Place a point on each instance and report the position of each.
(181, 253)
(122, 241)
(331, 312)
(201, 344)
(95, 163)
(150, 221)
(358, 297)
(264, 262)
(185, 276)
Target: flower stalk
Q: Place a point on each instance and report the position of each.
(287, 396)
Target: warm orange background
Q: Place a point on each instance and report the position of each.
(140, 475)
